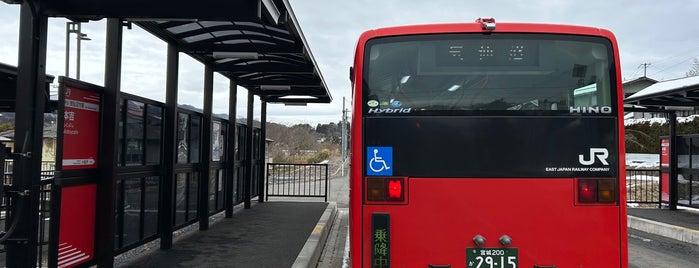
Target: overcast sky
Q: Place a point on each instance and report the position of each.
(664, 34)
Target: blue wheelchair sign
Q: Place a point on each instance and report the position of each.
(379, 161)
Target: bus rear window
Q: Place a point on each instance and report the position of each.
(505, 73)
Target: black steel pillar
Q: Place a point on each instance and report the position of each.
(165, 212)
(263, 157)
(106, 185)
(250, 152)
(205, 162)
(673, 160)
(22, 245)
(230, 150)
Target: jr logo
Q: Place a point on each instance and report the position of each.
(600, 153)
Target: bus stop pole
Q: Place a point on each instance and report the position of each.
(673, 160)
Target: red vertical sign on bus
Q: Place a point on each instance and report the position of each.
(664, 166)
(80, 129)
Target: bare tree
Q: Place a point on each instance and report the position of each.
(694, 71)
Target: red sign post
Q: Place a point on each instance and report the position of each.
(73, 228)
(665, 173)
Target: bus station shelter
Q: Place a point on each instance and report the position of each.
(669, 97)
(144, 169)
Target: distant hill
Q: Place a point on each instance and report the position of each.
(192, 108)
(10, 117)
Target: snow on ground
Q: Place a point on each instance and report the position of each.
(635, 161)
(641, 161)
(657, 120)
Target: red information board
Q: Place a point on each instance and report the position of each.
(76, 237)
(665, 175)
(73, 227)
(80, 128)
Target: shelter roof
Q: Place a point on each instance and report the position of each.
(258, 44)
(8, 85)
(677, 92)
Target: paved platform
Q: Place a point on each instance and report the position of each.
(681, 224)
(293, 234)
(270, 234)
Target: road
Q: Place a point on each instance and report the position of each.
(649, 250)
(645, 250)
(335, 253)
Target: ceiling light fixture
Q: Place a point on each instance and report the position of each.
(274, 87)
(137, 19)
(235, 55)
(454, 88)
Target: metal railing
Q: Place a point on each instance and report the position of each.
(297, 180)
(643, 186)
(7, 208)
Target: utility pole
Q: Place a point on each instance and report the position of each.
(344, 135)
(74, 27)
(645, 66)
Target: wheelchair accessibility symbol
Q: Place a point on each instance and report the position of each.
(379, 161)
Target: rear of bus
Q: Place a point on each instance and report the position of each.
(487, 145)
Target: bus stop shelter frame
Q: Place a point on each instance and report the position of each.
(257, 44)
(660, 98)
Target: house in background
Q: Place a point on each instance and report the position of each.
(633, 86)
(48, 146)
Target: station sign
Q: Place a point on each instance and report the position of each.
(73, 219)
(80, 128)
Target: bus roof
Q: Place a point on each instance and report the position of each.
(477, 26)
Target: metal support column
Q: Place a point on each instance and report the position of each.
(673, 161)
(165, 212)
(22, 244)
(106, 185)
(205, 162)
(230, 152)
(263, 156)
(250, 152)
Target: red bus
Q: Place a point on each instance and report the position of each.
(487, 145)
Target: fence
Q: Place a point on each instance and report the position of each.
(6, 210)
(297, 180)
(643, 186)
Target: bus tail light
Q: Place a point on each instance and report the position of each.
(385, 189)
(591, 191)
(395, 189)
